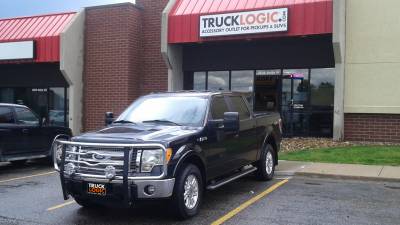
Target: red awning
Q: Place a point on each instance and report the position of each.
(44, 30)
(305, 17)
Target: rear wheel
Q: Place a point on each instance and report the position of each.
(19, 162)
(266, 165)
(188, 192)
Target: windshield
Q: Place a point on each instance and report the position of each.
(185, 111)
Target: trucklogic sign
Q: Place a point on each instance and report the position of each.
(251, 22)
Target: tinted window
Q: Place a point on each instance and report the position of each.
(6, 115)
(218, 108)
(239, 106)
(322, 87)
(26, 116)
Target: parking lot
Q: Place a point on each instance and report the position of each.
(31, 194)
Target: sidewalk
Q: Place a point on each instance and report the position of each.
(353, 171)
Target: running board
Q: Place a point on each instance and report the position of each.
(235, 176)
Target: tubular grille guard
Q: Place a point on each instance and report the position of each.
(92, 158)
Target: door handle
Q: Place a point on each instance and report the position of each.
(25, 131)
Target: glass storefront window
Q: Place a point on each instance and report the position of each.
(243, 81)
(322, 87)
(218, 80)
(56, 107)
(199, 81)
(49, 103)
(304, 97)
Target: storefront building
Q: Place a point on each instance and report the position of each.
(313, 61)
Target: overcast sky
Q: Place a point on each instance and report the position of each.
(17, 8)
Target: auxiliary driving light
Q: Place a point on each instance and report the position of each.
(110, 172)
(150, 189)
(70, 169)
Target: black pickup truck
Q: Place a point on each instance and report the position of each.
(23, 135)
(169, 146)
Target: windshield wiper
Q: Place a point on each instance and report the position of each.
(124, 121)
(161, 121)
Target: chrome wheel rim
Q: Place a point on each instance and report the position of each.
(269, 163)
(191, 194)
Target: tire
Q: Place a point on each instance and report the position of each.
(19, 162)
(266, 168)
(186, 209)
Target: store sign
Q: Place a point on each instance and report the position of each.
(17, 50)
(252, 22)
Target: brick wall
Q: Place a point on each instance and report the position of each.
(372, 127)
(122, 57)
(112, 61)
(155, 72)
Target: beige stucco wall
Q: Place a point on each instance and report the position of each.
(372, 74)
(71, 65)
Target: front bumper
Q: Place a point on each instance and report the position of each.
(117, 191)
(122, 188)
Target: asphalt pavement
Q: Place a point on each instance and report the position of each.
(31, 194)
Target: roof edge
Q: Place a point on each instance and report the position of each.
(39, 15)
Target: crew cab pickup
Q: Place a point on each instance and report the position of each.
(23, 135)
(169, 146)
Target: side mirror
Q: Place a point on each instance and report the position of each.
(231, 122)
(109, 118)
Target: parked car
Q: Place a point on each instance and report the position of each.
(169, 146)
(23, 135)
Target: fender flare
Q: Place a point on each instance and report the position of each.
(264, 144)
(189, 153)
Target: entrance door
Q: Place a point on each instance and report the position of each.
(295, 101)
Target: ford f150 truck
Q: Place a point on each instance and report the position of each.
(169, 146)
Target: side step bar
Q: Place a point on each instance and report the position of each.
(243, 172)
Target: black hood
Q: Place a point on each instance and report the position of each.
(138, 133)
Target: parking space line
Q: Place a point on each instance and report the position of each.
(248, 203)
(60, 205)
(26, 177)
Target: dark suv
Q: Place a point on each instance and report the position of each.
(23, 135)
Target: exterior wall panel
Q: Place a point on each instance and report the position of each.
(372, 57)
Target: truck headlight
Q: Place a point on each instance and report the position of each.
(151, 158)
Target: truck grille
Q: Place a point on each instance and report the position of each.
(94, 160)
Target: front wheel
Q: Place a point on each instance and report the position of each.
(266, 165)
(188, 192)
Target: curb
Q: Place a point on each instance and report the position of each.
(346, 177)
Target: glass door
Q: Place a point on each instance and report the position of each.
(294, 102)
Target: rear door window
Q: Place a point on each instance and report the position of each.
(238, 105)
(218, 107)
(6, 115)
